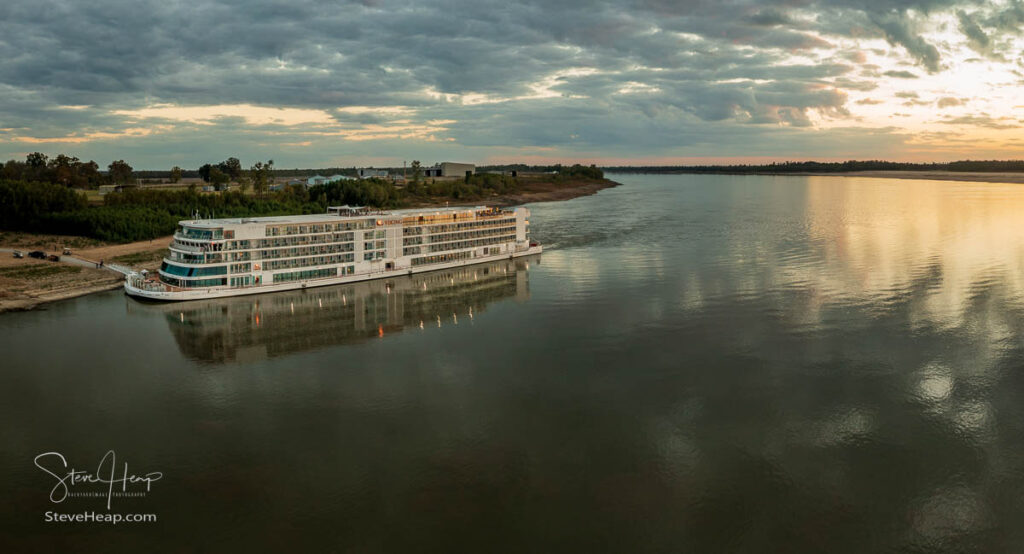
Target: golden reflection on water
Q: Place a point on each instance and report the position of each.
(880, 237)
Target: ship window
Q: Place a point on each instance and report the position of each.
(192, 271)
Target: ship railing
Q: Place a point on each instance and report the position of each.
(186, 248)
(120, 268)
(139, 282)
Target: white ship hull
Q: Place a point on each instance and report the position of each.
(133, 286)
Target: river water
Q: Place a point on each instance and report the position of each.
(695, 363)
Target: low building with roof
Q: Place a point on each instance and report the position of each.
(449, 169)
(369, 172)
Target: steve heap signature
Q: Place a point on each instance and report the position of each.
(107, 473)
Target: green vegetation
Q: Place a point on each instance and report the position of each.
(260, 176)
(65, 170)
(366, 192)
(27, 206)
(141, 214)
(134, 214)
(39, 241)
(228, 170)
(557, 171)
(119, 172)
(40, 196)
(139, 258)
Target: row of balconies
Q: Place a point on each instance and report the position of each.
(506, 234)
(418, 230)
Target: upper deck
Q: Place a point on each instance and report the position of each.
(334, 213)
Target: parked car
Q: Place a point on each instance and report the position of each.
(38, 254)
(18, 254)
(67, 251)
(53, 258)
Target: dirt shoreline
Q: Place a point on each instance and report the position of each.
(535, 190)
(548, 193)
(24, 304)
(26, 284)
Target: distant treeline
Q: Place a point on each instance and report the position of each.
(831, 167)
(144, 213)
(141, 214)
(135, 214)
(576, 170)
(65, 170)
(408, 171)
(75, 173)
(70, 171)
(197, 173)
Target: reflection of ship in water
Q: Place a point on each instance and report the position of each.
(252, 328)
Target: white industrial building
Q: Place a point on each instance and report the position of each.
(368, 172)
(449, 169)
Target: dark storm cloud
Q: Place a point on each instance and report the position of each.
(1010, 19)
(698, 61)
(981, 120)
(901, 74)
(898, 31)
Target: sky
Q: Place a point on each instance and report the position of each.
(632, 82)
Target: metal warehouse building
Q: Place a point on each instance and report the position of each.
(449, 169)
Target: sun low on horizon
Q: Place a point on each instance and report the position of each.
(643, 82)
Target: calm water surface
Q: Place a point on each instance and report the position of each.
(696, 363)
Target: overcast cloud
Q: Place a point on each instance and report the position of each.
(310, 83)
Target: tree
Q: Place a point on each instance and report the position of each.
(417, 173)
(204, 172)
(13, 170)
(120, 172)
(36, 160)
(89, 175)
(232, 167)
(175, 174)
(300, 193)
(262, 174)
(64, 169)
(36, 167)
(218, 178)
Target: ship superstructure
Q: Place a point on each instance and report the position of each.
(230, 257)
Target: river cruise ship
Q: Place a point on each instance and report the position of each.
(211, 258)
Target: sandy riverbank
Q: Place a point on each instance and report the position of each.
(26, 283)
(537, 190)
(531, 190)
